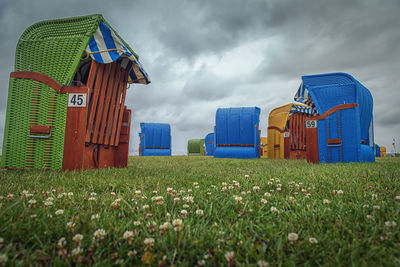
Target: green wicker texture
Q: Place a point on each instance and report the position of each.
(55, 48)
(196, 147)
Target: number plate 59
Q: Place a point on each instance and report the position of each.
(311, 124)
(76, 100)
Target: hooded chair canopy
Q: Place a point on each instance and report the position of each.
(61, 50)
(155, 139)
(237, 133)
(353, 126)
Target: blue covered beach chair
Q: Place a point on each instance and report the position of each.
(155, 139)
(210, 144)
(342, 127)
(237, 133)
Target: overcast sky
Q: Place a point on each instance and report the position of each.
(206, 54)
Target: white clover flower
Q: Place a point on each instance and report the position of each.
(77, 238)
(165, 226)
(91, 198)
(237, 198)
(138, 192)
(376, 207)
(113, 194)
(70, 194)
(326, 201)
(339, 192)
(10, 196)
(76, 251)
(169, 189)
(313, 240)
(189, 199)
(95, 216)
(201, 262)
(116, 203)
(291, 199)
(185, 206)
(246, 176)
(369, 217)
(390, 224)
(374, 196)
(32, 201)
(128, 234)
(195, 183)
(136, 223)
(70, 225)
(93, 194)
(48, 203)
(99, 234)
(61, 195)
(267, 194)
(243, 193)
(149, 241)
(292, 236)
(262, 263)
(263, 201)
(132, 253)
(59, 212)
(224, 184)
(183, 212)
(33, 216)
(200, 212)
(229, 255)
(224, 188)
(273, 209)
(177, 222)
(256, 188)
(145, 207)
(397, 198)
(155, 192)
(61, 242)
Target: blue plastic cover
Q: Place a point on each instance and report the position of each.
(353, 126)
(209, 142)
(155, 139)
(236, 133)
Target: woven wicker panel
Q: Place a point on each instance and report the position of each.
(53, 48)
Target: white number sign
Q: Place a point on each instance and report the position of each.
(77, 100)
(286, 134)
(311, 124)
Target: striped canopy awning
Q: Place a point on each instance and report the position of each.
(302, 109)
(106, 47)
(303, 96)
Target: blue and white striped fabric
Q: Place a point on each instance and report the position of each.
(302, 109)
(302, 96)
(105, 47)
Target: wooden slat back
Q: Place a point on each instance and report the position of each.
(107, 103)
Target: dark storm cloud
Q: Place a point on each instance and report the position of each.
(185, 46)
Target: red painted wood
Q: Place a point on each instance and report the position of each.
(113, 100)
(334, 141)
(101, 102)
(40, 129)
(118, 105)
(106, 107)
(93, 102)
(121, 112)
(75, 130)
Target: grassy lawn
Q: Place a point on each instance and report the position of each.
(187, 211)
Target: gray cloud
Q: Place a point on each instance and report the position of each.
(202, 55)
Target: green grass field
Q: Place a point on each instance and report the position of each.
(187, 211)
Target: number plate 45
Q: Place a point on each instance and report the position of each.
(77, 100)
(311, 124)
